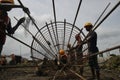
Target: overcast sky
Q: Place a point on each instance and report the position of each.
(42, 11)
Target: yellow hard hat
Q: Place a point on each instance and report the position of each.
(61, 52)
(7, 1)
(88, 24)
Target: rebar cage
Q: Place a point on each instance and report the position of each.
(53, 37)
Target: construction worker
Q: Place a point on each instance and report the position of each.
(63, 56)
(5, 23)
(70, 53)
(92, 49)
(79, 52)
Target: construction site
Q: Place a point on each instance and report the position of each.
(61, 49)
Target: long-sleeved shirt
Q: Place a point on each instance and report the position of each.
(92, 43)
(5, 24)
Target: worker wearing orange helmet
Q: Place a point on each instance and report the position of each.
(92, 49)
(5, 24)
(63, 56)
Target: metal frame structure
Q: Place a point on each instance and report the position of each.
(57, 34)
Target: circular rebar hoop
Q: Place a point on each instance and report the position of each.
(49, 45)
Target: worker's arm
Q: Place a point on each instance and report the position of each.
(12, 30)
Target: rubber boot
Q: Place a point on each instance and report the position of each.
(93, 73)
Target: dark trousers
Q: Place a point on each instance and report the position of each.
(93, 63)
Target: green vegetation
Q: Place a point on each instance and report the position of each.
(113, 63)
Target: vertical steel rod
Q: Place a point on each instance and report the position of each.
(75, 19)
(54, 33)
(64, 33)
(50, 37)
(55, 23)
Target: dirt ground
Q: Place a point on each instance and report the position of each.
(110, 70)
(28, 73)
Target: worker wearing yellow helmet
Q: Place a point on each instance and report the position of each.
(88, 26)
(92, 49)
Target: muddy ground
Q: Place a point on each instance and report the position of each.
(110, 70)
(28, 73)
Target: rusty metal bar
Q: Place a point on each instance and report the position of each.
(101, 22)
(26, 45)
(35, 39)
(54, 33)
(98, 19)
(102, 14)
(107, 15)
(101, 52)
(55, 22)
(48, 51)
(75, 19)
(50, 37)
(32, 20)
(64, 33)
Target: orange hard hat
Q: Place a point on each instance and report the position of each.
(88, 24)
(61, 52)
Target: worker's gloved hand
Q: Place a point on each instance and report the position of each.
(26, 10)
(21, 20)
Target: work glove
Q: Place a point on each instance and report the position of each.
(21, 20)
